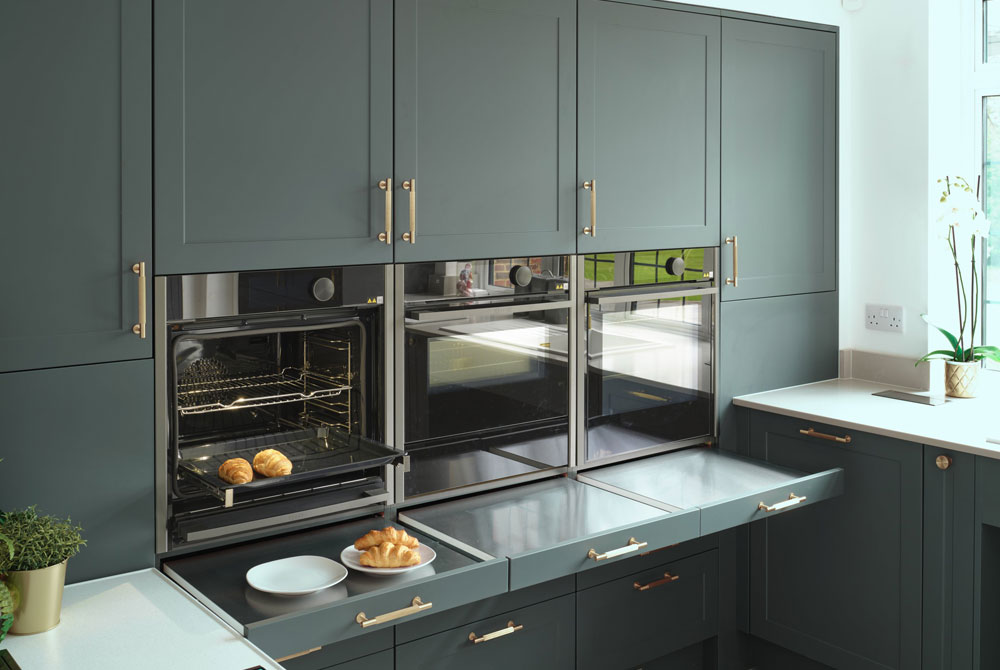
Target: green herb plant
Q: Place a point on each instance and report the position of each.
(37, 541)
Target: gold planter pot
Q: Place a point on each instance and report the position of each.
(961, 380)
(41, 598)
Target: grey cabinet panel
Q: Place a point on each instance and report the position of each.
(840, 582)
(649, 96)
(544, 640)
(75, 164)
(342, 654)
(620, 625)
(773, 343)
(383, 660)
(986, 593)
(485, 100)
(273, 130)
(779, 158)
(78, 442)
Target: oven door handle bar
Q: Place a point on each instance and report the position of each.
(416, 606)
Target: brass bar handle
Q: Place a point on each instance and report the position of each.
(592, 187)
(415, 607)
(811, 432)
(411, 186)
(298, 655)
(511, 628)
(792, 500)
(633, 545)
(666, 579)
(734, 281)
(140, 328)
(386, 185)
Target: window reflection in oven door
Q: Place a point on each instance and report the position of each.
(649, 378)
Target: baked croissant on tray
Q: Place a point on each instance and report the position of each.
(374, 538)
(389, 555)
(272, 463)
(236, 471)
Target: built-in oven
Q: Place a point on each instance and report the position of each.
(484, 373)
(647, 327)
(292, 361)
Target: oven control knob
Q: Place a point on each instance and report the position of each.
(520, 275)
(322, 289)
(674, 266)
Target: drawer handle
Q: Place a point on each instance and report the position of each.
(811, 432)
(592, 187)
(633, 545)
(386, 185)
(667, 578)
(416, 607)
(734, 281)
(511, 628)
(792, 500)
(301, 653)
(140, 328)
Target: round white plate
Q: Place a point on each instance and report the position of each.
(351, 557)
(296, 576)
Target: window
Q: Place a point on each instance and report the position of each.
(986, 85)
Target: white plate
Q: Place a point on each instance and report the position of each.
(351, 557)
(296, 576)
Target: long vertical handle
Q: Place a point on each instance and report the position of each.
(386, 185)
(735, 279)
(140, 328)
(592, 187)
(411, 186)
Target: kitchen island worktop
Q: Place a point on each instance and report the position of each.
(961, 424)
(138, 620)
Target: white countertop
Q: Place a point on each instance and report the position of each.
(963, 425)
(136, 620)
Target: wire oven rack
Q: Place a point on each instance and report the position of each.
(202, 394)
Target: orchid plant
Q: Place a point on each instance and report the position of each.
(963, 219)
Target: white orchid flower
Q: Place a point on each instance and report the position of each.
(959, 209)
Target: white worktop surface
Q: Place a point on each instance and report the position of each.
(964, 425)
(136, 620)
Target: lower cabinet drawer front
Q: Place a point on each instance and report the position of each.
(622, 625)
(380, 661)
(689, 658)
(544, 640)
(362, 646)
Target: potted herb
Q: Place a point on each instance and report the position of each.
(35, 569)
(965, 225)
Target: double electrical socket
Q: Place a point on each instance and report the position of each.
(884, 317)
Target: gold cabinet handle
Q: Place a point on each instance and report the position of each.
(811, 432)
(633, 545)
(592, 187)
(943, 462)
(297, 655)
(411, 186)
(386, 185)
(415, 607)
(792, 500)
(511, 628)
(734, 281)
(666, 579)
(140, 328)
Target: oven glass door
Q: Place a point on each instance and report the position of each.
(649, 378)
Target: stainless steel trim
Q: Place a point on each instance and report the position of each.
(715, 353)
(205, 601)
(506, 482)
(398, 333)
(659, 504)
(161, 440)
(638, 296)
(500, 310)
(573, 352)
(649, 451)
(445, 538)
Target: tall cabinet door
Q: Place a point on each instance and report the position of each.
(779, 160)
(273, 132)
(649, 128)
(75, 180)
(485, 128)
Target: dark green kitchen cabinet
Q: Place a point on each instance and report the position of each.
(840, 582)
(649, 96)
(273, 132)
(986, 600)
(75, 164)
(78, 442)
(485, 128)
(779, 159)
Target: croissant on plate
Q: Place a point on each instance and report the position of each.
(389, 555)
(374, 538)
(272, 463)
(236, 471)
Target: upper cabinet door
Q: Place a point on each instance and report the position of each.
(273, 131)
(779, 160)
(75, 181)
(485, 128)
(649, 128)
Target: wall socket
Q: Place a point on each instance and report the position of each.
(884, 317)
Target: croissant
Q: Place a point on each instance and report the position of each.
(389, 555)
(374, 538)
(272, 463)
(236, 471)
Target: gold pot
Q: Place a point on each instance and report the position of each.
(961, 380)
(41, 598)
